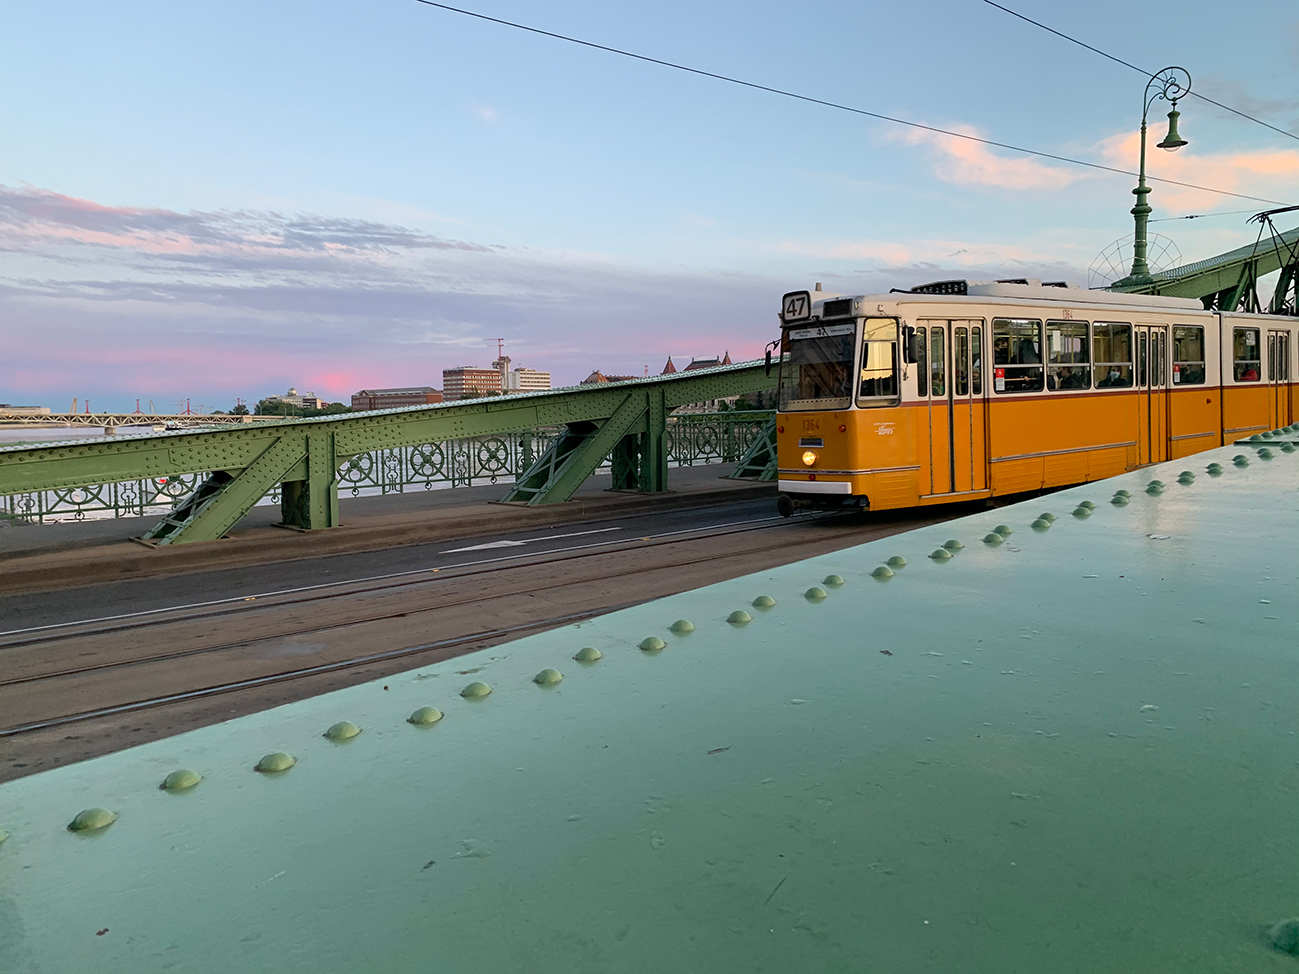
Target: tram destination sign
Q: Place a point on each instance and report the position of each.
(821, 331)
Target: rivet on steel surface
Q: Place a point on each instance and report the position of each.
(897, 561)
(1087, 504)
(1155, 483)
(1155, 489)
(1003, 530)
(834, 581)
(940, 554)
(1214, 469)
(1047, 516)
(682, 626)
(1123, 493)
(1186, 480)
(1265, 454)
(1256, 437)
(652, 644)
(763, 602)
(883, 573)
(1287, 447)
(1081, 512)
(92, 820)
(1186, 473)
(182, 780)
(1118, 500)
(814, 594)
(1240, 460)
(424, 716)
(275, 762)
(993, 539)
(344, 730)
(547, 677)
(1040, 525)
(739, 617)
(587, 654)
(953, 545)
(1284, 936)
(477, 690)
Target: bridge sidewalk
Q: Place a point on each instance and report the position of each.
(37, 557)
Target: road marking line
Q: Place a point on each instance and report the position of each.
(513, 544)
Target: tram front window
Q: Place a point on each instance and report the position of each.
(816, 368)
(878, 385)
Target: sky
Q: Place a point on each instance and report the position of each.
(220, 201)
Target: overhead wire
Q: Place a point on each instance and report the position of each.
(1201, 216)
(1129, 64)
(830, 104)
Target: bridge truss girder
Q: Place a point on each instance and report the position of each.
(304, 456)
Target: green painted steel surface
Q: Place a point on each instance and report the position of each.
(1071, 750)
(254, 461)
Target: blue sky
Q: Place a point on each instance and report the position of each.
(224, 200)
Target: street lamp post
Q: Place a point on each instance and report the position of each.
(1170, 84)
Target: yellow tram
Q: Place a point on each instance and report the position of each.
(960, 390)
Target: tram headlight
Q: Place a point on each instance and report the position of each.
(809, 458)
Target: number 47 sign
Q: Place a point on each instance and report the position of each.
(796, 305)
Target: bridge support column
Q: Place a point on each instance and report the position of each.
(312, 503)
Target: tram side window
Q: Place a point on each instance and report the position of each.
(1069, 366)
(879, 361)
(1016, 355)
(1112, 353)
(961, 361)
(1188, 355)
(937, 361)
(922, 365)
(976, 360)
(1245, 349)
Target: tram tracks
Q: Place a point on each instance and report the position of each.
(242, 660)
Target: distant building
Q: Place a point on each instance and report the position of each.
(705, 363)
(469, 382)
(393, 398)
(527, 380)
(597, 376)
(306, 400)
(24, 410)
(707, 405)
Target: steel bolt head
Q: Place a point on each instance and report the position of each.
(476, 690)
(344, 730)
(652, 644)
(814, 594)
(1047, 516)
(1087, 504)
(940, 554)
(547, 677)
(424, 716)
(883, 573)
(1081, 512)
(1287, 447)
(182, 780)
(953, 545)
(587, 654)
(833, 581)
(92, 820)
(1265, 454)
(739, 617)
(1118, 500)
(1003, 530)
(275, 762)
(993, 539)
(897, 561)
(1040, 525)
(763, 602)
(682, 626)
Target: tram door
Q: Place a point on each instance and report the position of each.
(1278, 378)
(957, 457)
(1152, 393)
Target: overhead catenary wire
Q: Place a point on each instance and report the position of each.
(1140, 70)
(835, 105)
(1201, 216)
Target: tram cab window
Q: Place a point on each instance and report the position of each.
(1188, 355)
(878, 383)
(1016, 355)
(1112, 354)
(1245, 354)
(1069, 365)
(816, 372)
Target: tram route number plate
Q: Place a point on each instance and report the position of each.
(796, 305)
(824, 331)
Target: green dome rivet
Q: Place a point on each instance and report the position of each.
(1256, 437)
(182, 780)
(884, 572)
(1284, 936)
(1003, 530)
(1123, 493)
(763, 602)
(547, 677)
(1287, 447)
(993, 539)
(1187, 473)
(682, 626)
(587, 654)
(275, 762)
(1047, 516)
(1186, 481)
(1241, 461)
(1087, 504)
(652, 644)
(814, 594)
(1155, 489)
(897, 561)
(1118, 500)
(953, 545)
(476, 690)
(1213, 469)
(1155, 483)
(1265, 454)
(834, 581)
(424, 716)
(344, 730)
(1081, 512)
(739, 617)
(1040, 525)
(92, 820)
(940, 554)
